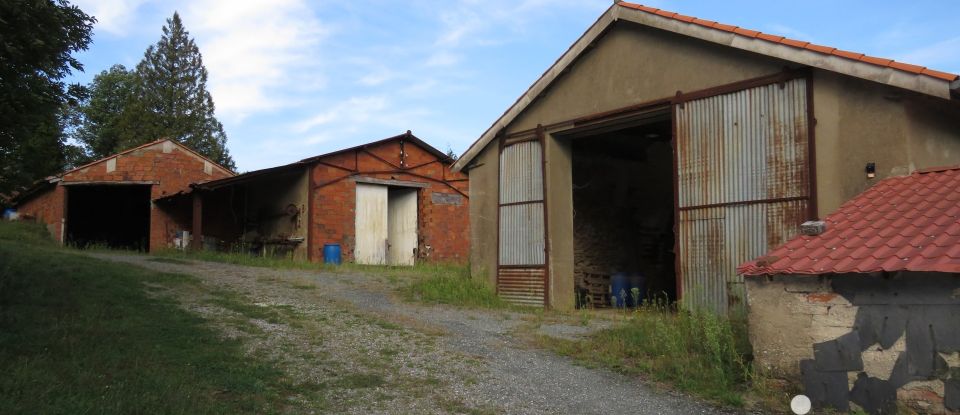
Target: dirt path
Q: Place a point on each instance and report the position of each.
(355, 349)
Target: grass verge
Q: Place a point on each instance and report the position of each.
(79, 335)
(699, 353)
(430, 283)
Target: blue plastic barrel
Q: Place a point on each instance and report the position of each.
(331, 254)
(620, 288)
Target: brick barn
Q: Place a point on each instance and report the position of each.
(867, 313)
(111, 201)
(394, 201)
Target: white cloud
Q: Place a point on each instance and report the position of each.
(442, 58)
(353, 110)
(256, 51)
(113, 16)
(937, 55)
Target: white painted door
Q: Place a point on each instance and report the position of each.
(402, 227)
(371, 225)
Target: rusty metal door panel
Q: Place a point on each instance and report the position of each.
(742, 185)
(521, 173)
(521, 234)
(523, 286)
(521, 273)
(744, 146)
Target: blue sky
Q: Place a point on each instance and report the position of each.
(296, 78)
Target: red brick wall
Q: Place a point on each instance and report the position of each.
(46, 208)
(443, 228)
(170, 171)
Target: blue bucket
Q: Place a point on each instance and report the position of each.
(331, 254)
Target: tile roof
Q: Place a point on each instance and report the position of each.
(908, 223)
(826, 50)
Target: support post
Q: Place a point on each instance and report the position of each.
(196, 242)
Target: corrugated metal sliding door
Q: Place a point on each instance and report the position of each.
(371, 225)
(521, 274)
(743, 185)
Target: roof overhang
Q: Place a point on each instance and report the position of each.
(920, 83)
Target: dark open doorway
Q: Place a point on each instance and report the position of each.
(117, 216)
(623, 200)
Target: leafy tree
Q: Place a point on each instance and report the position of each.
(107, 119)
(172, 97)
(37, 40)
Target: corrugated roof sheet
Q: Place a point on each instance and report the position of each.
(909, 223)
(826, 50)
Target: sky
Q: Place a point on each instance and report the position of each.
(295, 78)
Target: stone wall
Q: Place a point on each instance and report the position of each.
(861, 341)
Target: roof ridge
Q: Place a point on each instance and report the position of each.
(799, 44)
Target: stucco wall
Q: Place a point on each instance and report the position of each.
(859, 340)
(859, 121)
(484, 187)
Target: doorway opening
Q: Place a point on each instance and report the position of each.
(386, 225)
(115, 216)
(623, 201)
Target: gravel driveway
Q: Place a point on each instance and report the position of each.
(375, 354)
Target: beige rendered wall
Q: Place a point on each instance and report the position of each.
(859, 121)
(560, 223)
(631, 64)
(484, 188)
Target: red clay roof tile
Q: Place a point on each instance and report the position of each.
(873, 232)
(914, 69)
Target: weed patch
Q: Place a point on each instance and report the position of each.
(698, 352)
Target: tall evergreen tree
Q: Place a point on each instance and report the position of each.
(37, 41)
(172, 97)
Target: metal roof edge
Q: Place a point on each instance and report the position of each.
(915, 82)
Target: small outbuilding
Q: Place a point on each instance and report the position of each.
(390, 202)
(676, 148)
(867, 312)
(111, 201)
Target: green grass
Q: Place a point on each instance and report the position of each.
(430, 283)
(697, 352)
(80, 335)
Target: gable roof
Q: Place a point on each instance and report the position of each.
(245, 177)
(47, 182)
(130, 150)
(908, 223)
(886, 71)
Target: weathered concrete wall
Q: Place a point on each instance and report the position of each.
(859, 340)
(559, 169)
(858, 121)
(442, 204)
(484, 197)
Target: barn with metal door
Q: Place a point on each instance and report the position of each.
(661, 151)
(389, 202)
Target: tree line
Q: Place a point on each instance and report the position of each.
(47, 125)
